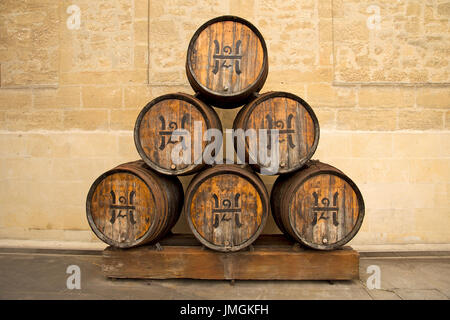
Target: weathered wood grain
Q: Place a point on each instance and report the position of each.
(272, 258)
(295, 121)
(318, 206)
(156, 123)
(132, 205)
(226, 207)
(227, 61)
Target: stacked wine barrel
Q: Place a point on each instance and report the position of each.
(226, 205)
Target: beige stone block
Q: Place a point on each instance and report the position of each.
(390, 221)
(447, 120)
(334, 145)
(141, 56)
(160, 90)
(433, 224)
(47, 145)
(379, 195)
(107, 78)
(30, 34)
(137, 96)
(325, 9)
(62, 97)
(430, 170)
(386, 97)
(2, 120)
(442, 196)
(162, 30)
(86, 119)
(13, 99)
(243, 8)
(413, 9)
(123, 119)
(371, 120)
(37, 169)
(350, 30)
(444, 9)
(380, 170)
(84, 170)
(141, 31)
(326, 53)
(157, 8)
(325, 95)
(141, 9)
(371, 145)
(15, 216)
(326, 117)
(325, 30)
(419, 145)
(71, 193)
(276, 83)
(34, 120)
(433, 98)
(167, 78)
(74, 218)
(420, 119)
(127, 148)
(93, 145)
(102, 97)
(13, 145)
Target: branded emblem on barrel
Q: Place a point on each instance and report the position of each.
(172, 127)
(226, 211)
(220, 58)
(279, 124)
(316, 209)
(125, 204)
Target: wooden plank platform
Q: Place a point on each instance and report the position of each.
(271, 257)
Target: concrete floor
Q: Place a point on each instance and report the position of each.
(41, 274)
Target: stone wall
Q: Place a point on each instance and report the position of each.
(376, 72)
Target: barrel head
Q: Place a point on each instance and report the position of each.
(325, 210)
(121, 209)
(226, 211)
(156, 139)
(297, 125)
(227, 61)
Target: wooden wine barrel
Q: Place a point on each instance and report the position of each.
(156, 123)
(132, 205)
(227, 61)
(292, 116)
(226, 207)
(319, 206)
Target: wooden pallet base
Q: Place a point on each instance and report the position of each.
(271, 257)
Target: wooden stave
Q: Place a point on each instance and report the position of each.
(227, 101)
(166, 188)
(244, 113)
(284, 189)
(211, 118)
(244, 171)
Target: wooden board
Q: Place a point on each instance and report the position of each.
(271, 257)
